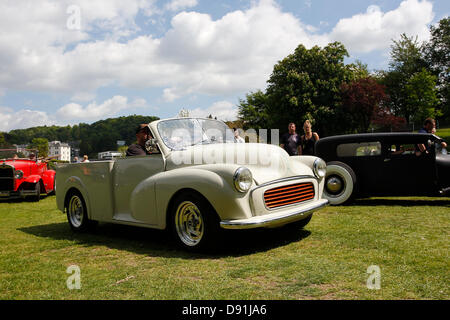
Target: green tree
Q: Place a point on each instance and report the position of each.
(406, 62)
(421, 96)
(306, 85)
(252, 111)
(41, 144)
(2, 140)
(437, 54)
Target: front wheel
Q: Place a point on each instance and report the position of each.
(340, 182)
(37, 192)
(194, 222)
(77, 215)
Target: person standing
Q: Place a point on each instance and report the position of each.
(237, 137)
(85, 158)
(290, 141)
(308, 140)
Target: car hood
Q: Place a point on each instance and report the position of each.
(266, 162)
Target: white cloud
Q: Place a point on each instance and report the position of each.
(374, 29)
(177, 5)
(230, 55)
(223, 110)
(22, 119)
(94, 111)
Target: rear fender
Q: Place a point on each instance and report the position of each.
(73, 183)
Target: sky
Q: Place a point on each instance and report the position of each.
(63, 62)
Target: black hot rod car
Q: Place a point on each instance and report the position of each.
(384, 164)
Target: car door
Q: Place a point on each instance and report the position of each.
(128, 173)
(404, 172)
(364, 158)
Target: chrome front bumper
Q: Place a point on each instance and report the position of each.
(274, 219)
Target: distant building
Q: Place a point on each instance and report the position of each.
(109, 155)
(60, 150)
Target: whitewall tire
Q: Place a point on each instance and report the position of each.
(340, 183)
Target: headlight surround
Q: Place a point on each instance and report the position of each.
(242, 179)
(18, 174)
(320, 168)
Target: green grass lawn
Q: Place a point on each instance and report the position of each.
(444, 134)
(407, 238)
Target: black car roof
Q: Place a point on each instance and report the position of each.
(360, 137)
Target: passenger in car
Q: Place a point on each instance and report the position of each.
(429, 126)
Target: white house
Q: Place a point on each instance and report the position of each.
(59, 149)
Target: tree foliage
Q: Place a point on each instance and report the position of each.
(437, 55)
(90, 138)
(407, 80)
(361, 101)
(306, 85)
(252, 111)
(41, 144)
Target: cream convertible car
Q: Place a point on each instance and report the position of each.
(196, 182)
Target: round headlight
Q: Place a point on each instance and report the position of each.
(320, 168)
(242, 179)
(18, 174)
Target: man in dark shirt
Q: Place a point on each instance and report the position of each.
(429, 126)
(291, 141)
(142, 136)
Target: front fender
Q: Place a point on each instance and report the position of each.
(211, 181)
(32, 179)
(49, 179)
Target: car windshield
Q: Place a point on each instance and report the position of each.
(177, 134)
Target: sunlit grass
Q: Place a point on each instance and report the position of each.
(407, 238)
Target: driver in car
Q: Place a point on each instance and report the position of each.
(142, 135)
(429, 126)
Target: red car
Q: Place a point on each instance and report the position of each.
(24, 177)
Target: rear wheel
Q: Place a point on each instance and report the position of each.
(340, 183)
(194, 222)
(77, 214)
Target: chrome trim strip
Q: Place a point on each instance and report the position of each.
(268, 220)
(285, 179)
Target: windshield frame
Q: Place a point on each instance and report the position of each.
(205, 139)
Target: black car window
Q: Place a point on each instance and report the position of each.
(402, 149)
(362, 149)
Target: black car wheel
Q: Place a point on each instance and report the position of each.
(194, 223)
(37, 190)
(339, 183)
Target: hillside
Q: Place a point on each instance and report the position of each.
(90, 138)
